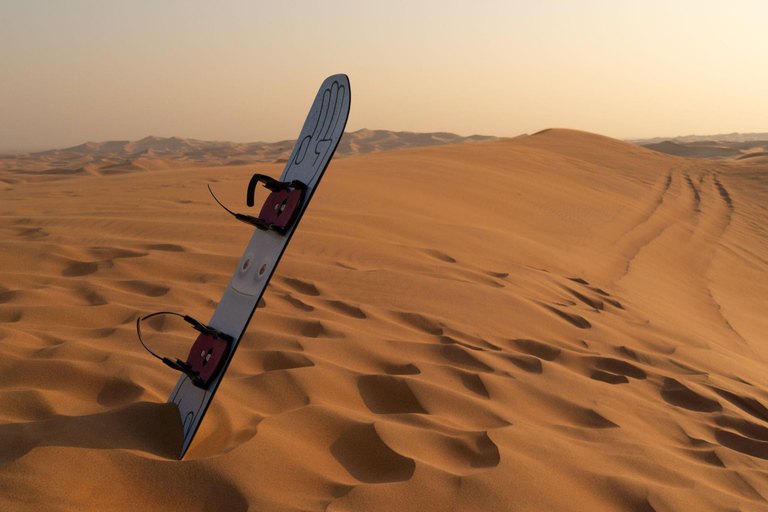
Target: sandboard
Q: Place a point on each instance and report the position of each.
(313, 151)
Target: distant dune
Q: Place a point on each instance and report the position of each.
(559, 322)
(734, 145)
(153, 153)
(757, 154)
(722, 137)
(372, 141)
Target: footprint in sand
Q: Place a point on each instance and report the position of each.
(589, 418)
(592, 302)
(377, 463)
(447, 340)
(629, 353)
(302, 287)
(608, 378)
(315, 329)
(440, 255)
(528, 364)
(32, 233)
(687, 369)
(742, 444)
(454, 336)
(574, 320)
(7, 296)
(93, 298)
(347, 309)
(677, 394)
(615, 371)
(620, 367)
(420, 323)
(749, 438)
(461, 357)
(486, 454)
(402, 369)
(474, 383)
(747, 404)
(80, 268)
(536, 349)
(384, 394)
(10, 315)
(279, 360)
(298, 304)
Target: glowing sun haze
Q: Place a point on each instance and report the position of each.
(246, 70)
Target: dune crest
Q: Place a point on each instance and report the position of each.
(153, 153)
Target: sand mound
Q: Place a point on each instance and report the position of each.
(557, 322)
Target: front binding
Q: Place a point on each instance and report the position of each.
(281, 208)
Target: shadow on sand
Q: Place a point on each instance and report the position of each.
(153, 428)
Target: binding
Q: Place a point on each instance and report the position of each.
(281, 208)
(206, 357)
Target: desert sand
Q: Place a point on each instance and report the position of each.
(557, 322)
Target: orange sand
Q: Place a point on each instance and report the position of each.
(557, 322)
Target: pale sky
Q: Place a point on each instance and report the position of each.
(246, 70)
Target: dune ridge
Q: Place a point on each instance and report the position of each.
(712, 149)
(153, 153)
(722, 146)
(734, 137)
(557, 322)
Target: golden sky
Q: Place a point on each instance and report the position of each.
(246, 70)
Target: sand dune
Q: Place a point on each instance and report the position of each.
(730, 147)
(157, 153)
(557, 322)
(734, 137)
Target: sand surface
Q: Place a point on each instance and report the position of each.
(557, 322)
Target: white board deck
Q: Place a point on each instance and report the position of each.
(314, 148)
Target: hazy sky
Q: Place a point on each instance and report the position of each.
(247, 70)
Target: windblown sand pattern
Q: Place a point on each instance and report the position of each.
(557, 322)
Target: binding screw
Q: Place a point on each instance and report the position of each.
(262, 269)
(246, 264)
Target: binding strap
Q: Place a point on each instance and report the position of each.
(272, 184)
(281, 208)
(205, 359)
